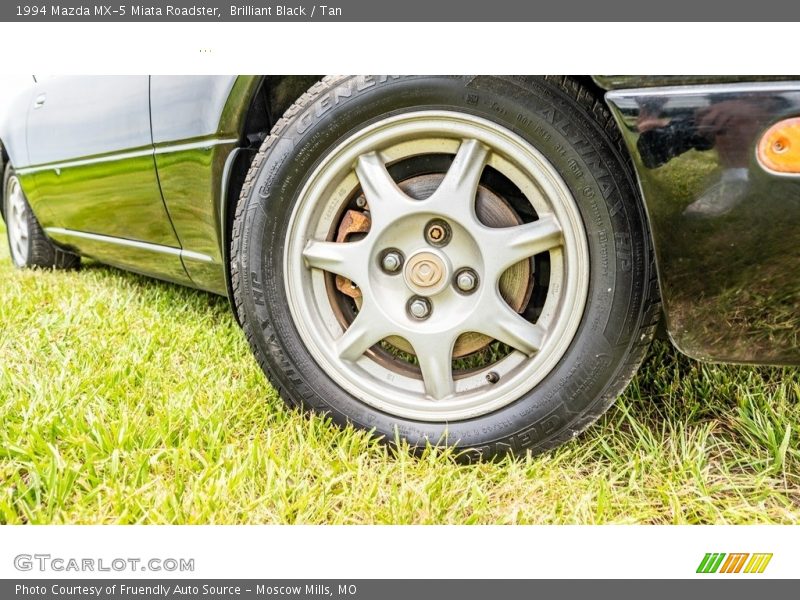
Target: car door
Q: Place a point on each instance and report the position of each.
(91, 153)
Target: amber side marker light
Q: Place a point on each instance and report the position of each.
(779, 148)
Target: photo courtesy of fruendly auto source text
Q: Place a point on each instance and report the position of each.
(500, 324)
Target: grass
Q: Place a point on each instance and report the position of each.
(126, 400)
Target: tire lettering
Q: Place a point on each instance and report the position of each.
(258, 290)
(622, 243)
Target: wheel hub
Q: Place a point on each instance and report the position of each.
(427, 272)
(516, 283)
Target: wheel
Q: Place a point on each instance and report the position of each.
(28, 244)
(446, 260)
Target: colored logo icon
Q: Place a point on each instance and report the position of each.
(719, 562)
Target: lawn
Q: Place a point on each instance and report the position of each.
(126, 400)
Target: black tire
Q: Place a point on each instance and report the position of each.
(39, 250)
(571, 128)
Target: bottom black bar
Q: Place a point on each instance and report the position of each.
(397, 589)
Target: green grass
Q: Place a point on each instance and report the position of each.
(126, 400)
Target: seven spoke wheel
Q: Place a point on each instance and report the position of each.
(449, 286)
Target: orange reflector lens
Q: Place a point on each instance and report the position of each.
(779, 148)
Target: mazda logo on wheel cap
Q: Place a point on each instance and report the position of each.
(426, 272)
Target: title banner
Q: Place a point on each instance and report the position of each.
(405, 11)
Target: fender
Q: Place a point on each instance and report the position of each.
(13, 142)
(724, 228)
(12, 128)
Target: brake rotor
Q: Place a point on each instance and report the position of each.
(516, 283)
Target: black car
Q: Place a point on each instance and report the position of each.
(473, 261)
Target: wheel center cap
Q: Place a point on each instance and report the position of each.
(427, 272)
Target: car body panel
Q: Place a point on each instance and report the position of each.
(13, 143)
(13, 126)
(726, 232)
(627, 82)
(196, 122)
(90, 159)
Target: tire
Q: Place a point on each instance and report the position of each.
(589, 296)
(28, 245)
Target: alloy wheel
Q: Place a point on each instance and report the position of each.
(17, 222)
(427, 239)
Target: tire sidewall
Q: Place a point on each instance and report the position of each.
(543, 114)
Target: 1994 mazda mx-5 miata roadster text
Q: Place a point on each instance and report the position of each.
(475, 261)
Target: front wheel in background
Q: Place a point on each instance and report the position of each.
(446, 260)
(28, 244)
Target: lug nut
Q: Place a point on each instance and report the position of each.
(391, 261)
(466, 281)
(420, 308)
(437, 233)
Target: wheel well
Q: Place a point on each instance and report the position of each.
(588, 82)
(273, 96)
